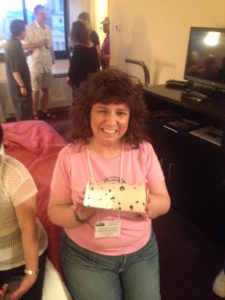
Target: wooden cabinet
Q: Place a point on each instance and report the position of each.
(194, 167)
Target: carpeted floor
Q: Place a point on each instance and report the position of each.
(61, 122)
(188, 262)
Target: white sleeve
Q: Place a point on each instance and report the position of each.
(18, 181)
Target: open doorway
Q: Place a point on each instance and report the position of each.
(101, 9)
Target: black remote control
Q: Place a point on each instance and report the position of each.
(172, 83)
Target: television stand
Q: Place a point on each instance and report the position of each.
(189, 139)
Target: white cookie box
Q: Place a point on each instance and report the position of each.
(116, 196)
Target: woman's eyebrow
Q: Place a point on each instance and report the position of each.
(122, 109)
(106, 107)
(101, 106)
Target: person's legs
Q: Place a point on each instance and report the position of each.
(90, 276)
(45, 85)
(140, 277)
(44, 100)
(15, 104)
(22, 106)
(25, 107)
(35, 98)
(36, 87)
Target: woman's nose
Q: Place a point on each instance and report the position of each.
(111, 118)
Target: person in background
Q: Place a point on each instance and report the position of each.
(23, 240)
(40, 62)
(84, 60)
(109, 142)
(17, 71)
(194, 64)
(84, 17)
(105, 48)
(210, 69)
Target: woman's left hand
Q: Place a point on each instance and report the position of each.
(157, 201)
(26, 283)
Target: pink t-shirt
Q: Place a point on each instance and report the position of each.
(71, 173)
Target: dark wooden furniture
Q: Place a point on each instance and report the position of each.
(194, 168)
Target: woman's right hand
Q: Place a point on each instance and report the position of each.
(23, 91)
(84, 213)
(26, 283)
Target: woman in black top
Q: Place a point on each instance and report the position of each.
(84, 17)
(84, 60)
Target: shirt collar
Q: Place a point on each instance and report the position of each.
(39, 26)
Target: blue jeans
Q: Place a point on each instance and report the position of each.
(92, 276)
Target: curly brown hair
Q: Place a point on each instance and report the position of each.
(106, 87)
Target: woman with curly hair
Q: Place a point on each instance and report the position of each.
(85, 18)
(109, 253)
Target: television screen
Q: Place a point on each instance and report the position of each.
(205, 61)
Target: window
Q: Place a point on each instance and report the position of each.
(23, 9)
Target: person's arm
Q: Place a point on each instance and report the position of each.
(61, 212)
(158, 201)
(98, 50)
(26, 218)
(34, 45)
(95, 40)
(20, 82)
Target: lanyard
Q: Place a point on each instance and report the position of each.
(121, 164)
(92, 173)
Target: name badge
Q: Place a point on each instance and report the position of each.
(104, 229)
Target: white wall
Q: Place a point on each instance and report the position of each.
(157, 33)
(78, 6)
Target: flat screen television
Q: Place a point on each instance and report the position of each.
(205, 62)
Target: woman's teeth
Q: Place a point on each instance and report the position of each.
(109, 130)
